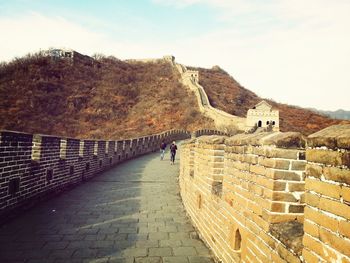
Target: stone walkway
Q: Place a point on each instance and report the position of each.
(132, 213)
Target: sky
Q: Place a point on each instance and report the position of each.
(292, 51)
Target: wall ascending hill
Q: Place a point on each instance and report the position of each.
(223, 120)
(226, 94)
(106, 99)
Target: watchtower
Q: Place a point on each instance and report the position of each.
(262, 115)
(193, 75)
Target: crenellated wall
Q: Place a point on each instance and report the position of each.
(327, 185)
(223, 120)
(246, 195)
(35, 166)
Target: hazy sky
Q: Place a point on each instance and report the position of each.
(293, 51)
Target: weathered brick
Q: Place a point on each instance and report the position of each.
(318, 247)
(283, 196)
(274, 163)
(310, 257)
(345, 193)
(329, 157)
(258, 169)
(312, 199)
(311, 228)
(296, 209)
(334, 241)
(335, 207)
(344, 228)
(282, 153)
(321, 219)
(278, 207)
(298, 165)
(296, 186)
(337, 174)
(323, 188)
(282, 175)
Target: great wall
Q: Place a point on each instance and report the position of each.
(263, 197)
(270, 197)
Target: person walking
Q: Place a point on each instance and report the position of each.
(173, 149)
(162, 150)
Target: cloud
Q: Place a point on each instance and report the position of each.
(30, 32)
(297, 52)
(292, 51)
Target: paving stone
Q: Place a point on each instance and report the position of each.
(170, 243)
(175, 259)
(85, 253)
(199, 259)
(128, 230)
(140, 236)
(134, 252)
(184, 251)
(179, 235)
(111, 218)
(149, 260)
(158, 236)
(102, 244)
(56, 245)
(121, 260)
(147, 243)
(161, 251)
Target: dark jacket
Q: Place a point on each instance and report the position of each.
(163, 146)
(173, 148)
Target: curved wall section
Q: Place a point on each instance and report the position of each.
(223, 120)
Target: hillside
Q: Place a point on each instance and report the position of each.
(108, 98)
(105, 99)
(227, 94)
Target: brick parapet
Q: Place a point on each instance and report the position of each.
(267, 181)
(327, 212)
(239, 187)
(35, 166)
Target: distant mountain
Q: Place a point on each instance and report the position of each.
(338, 114)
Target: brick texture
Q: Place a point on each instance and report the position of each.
(33, 167)
(327, 212)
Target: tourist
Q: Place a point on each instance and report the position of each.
(162, 150)
(173, 149)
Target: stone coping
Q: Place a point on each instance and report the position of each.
(211, 139)
(278, 139)
(333, 137)
(19, 133)
(290, 140)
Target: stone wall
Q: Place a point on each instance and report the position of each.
(246, 196)
(327, 184)
(222, 120)
(35, 166)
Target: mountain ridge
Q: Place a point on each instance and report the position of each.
(110, 98)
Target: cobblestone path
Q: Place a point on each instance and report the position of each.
(132, 213)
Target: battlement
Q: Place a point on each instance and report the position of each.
(270, 197)
(33, 166)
